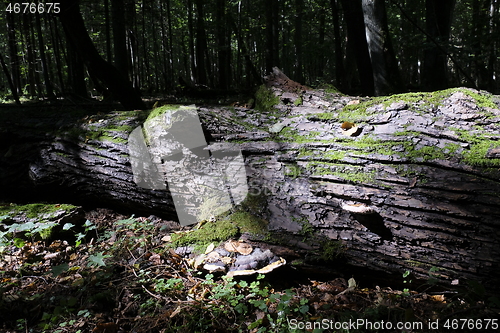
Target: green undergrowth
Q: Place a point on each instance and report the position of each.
(125, 269)
(38, 222)
(33, 210)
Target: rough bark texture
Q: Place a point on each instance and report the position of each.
(416, 186)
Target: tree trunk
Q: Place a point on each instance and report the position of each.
(32, 72)
(13, 55)
(272, 55)
(299, 63)
(9, 80)
(201, 45)
(120, 52)
(438, 25)
(340, 79)
(79, 39)
(384, 65)
(224, 47)
(353, 13)
(57, 45)
(45, 70)
(413, 186)
(76, 74)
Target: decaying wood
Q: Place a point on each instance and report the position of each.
(418, 187)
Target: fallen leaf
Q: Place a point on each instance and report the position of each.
(210, 248)
(176, 312)
(213, 256)
(105, 328)
(237, 246)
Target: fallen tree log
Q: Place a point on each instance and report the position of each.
(407, 182)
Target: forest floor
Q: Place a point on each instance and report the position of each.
(120, 274)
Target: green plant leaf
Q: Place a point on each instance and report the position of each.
(68, 226)
(18, 242)
(56, 270)
(98, 259)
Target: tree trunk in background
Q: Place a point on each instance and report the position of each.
(201, 45)
(299, 64)
(30, 54)
(120, 53)
(107, 31)
(254, 77)
(405, 192)
(134, 45)
(439, 14)
(9, 79)
(353, 15)
(79, 39)
(339, 57)
(224, 44)
(480, 44)
(45, 70)
(76, 74)
(494, 45)
(14, 58)
(170, 76)
(272, 35)
(384, 65)
(58, 54)
(319, 69)
(192, 71)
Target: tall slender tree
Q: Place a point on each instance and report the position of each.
(79, 40)
(120, 53)
(299, 64)
(224, 48)
(339, 56)
(43, 58)
(9, 79)
(15, 62)
(353, 13)
(438, 24)
(383, 61)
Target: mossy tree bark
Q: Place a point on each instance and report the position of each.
(416, 187)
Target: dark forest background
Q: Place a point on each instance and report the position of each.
(369, 47)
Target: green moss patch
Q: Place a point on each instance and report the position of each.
(265, 99)
(331, 249)
(355, 174)
(34, 210)
(208, 233)
(161, 110)
(480, 142)
(289, 134)
(249, 223)
(416, 101)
